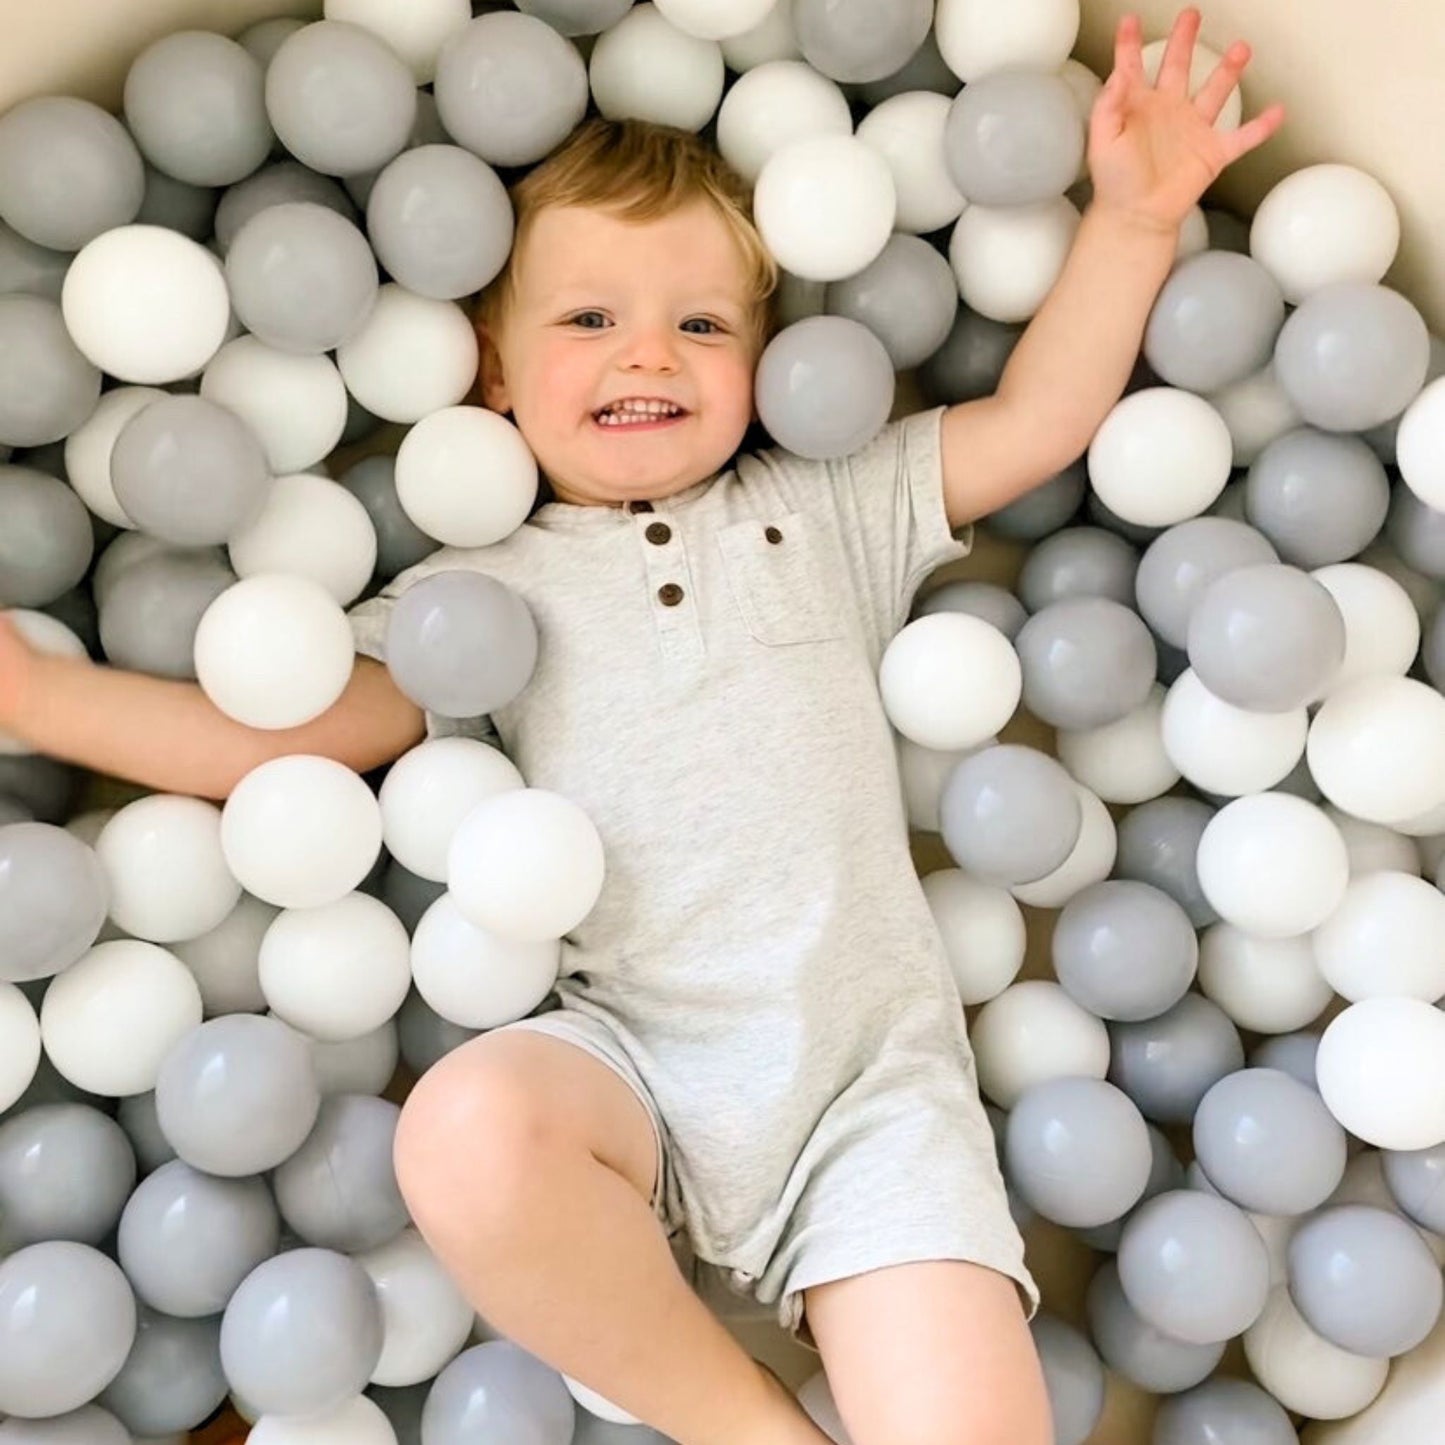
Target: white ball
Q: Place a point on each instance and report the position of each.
(437, 466)
(1033, 1031)
(412, 356)
(88, 449)
(430, 789)
(1381, 1071)
(772, 38)
(1124, 761)
(336, 971)
(19, 1044)
(983, 932)
(425, 1318)
(773, 105)
(146, 304)
(644, 67)
(415, 31)
(907, 131)
(1268, 985)
(1373, 847)
(167, 874)
(710, 21)
(1382, 628)
(1161, 456)
(108, 1020)
(1193, 234)
(1324, 224)
(922, 773)
(476, 978)
(274, 651)
(976, 37)
(1386, 939)
(1377, 749)
(1202, 66)
(1303, 1370)
(1420, 445)
(300, 831)
(949, 680)
(1007, 258)
(1091, 861)
(1257, 411)
(598, 1405)
(1225, 749)
(296, 405)
(310, 527)
(363, 1065)
(1272, 865)
(825, 206)
(358, 1421)
(526, 864)
(225, 961)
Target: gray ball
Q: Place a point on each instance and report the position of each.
(46, 542)
(1087, 661)
(1214, 321)
(577, 17)
(1223, 1411)
(195, 103)
(1158, 843)
(302, 277)
(907, 297)
(1352, 355)
(1044, 509)
(1124, 950)
(283, 183)
(1073, 1377)
(970, 361)
(824, 387)
(24, 266)
(510, 88)
(1010, 814)
(1418, 532)
(498, 1391)
(400, 543)
(987, 600)
(1318, 496)
(1134, 1348)
(1365, 1280)
(47, 388)
(68, 171)
(1078, 562)
(1014, 137)
(54, 897)
(172, 1379)
(1167, 1064)
(153, 609)
(860, 40)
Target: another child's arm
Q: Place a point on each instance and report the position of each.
(1152, 153)
(169, 736)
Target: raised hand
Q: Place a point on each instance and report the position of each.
(1153, 149)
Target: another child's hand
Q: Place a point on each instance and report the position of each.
(16, 657)
(1153, 150)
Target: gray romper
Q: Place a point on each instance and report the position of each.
(762, 967)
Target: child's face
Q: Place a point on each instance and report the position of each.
(605, 310)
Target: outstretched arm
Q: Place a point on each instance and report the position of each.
(1152, 151)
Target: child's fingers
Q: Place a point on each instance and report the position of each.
(1222, 80)
(1252, 133)
(1106, 119)
(1129, 48)
(1173, 76)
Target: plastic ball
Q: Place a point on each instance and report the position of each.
(1420, 445)
(647, 68)
(907, 131)
(1124, 761)
(1007, 258)
(1031, 1032)
(983, 932)
(976, 38)
(416, 32)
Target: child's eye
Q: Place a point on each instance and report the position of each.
(585, 319)
(704, 321)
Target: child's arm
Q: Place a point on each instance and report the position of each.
(1152, 153)
(169, 736)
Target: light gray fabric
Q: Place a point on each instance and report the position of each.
(762, 966)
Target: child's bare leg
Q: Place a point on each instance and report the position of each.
(528, 1165)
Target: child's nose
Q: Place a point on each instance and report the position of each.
(651, 348)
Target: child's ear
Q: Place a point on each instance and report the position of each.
(490, 377)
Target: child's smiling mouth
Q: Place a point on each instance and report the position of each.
(638, 414)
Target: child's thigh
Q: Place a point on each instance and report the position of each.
(496, 1103)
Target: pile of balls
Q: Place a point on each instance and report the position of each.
(1229, 614)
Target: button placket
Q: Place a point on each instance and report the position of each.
(669, 580)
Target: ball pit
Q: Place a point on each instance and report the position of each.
(1171, 742)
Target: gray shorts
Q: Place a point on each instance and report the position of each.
(905, 1189)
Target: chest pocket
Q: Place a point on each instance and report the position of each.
(776, 575)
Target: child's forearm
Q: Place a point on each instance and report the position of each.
(1071, 364)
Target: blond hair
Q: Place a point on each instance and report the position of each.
(639, 171)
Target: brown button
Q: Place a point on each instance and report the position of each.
(658, 532)
(773, 535)
(635, 507)
(669, 594)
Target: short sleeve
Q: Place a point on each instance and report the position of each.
(369, 622)
(886, 506)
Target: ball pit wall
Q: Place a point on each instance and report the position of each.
(1361, 86)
